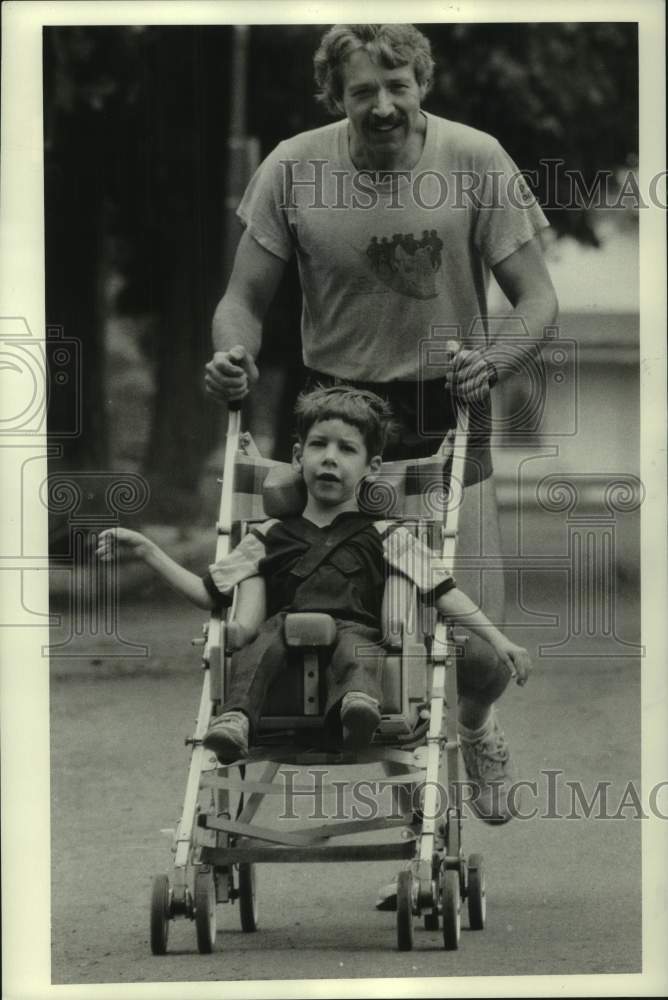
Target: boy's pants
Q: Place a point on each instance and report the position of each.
(354, 663)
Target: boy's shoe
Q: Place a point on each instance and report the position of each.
(360, 718)
(228, 737)
(489, 769)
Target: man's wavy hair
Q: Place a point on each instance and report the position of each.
(362, 409)
(389, 45)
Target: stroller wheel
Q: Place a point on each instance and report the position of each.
(160, 914)
(247, 896)
(205, 911)
(405, 911)
(477, 899)
(451, 903)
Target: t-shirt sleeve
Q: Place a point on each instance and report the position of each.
(240, 564)
(406, 554)
(508, 215)
(265, 209)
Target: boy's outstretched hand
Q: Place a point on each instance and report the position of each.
(515, 658)
(121, 542)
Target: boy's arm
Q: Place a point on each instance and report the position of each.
(187, 584)
(455, 605)
(123, 542)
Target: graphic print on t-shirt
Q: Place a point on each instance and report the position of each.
(405, 264)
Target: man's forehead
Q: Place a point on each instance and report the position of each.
(361, 65)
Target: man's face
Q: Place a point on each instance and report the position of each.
(382, 106)
(333, 459)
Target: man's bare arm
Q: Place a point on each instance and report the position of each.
(237, 321)
(524, 279)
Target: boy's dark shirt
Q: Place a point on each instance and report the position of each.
(348, 584)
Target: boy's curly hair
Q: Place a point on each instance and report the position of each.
(389, 45)
(363, 409)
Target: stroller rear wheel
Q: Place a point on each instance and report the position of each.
(476, 896)
(205, 911)
(405, 911)
(247, 897)
(451, 904)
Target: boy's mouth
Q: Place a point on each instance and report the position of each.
(328, 477)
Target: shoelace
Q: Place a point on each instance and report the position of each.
(487, 753)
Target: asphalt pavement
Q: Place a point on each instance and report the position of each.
(564, 890)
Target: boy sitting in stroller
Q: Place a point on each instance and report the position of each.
(331, 558)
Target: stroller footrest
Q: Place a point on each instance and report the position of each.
(225, 856)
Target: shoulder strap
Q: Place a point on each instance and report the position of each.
(324, 547)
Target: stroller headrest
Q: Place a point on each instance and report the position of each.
(283, 492)
(406, 489)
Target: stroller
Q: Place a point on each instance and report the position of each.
(216, 844)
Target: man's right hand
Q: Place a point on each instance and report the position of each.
(230, 374)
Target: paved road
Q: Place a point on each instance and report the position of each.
(564, 894)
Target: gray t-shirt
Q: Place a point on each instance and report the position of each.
(389, 264)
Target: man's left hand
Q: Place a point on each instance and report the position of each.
(468, 379)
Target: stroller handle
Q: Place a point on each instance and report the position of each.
(224, 526)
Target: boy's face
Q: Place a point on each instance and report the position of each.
(333, 459)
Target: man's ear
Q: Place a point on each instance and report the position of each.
(375, 464)
(297, 457)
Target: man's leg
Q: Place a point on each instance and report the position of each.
(481, 678)
(481, 682)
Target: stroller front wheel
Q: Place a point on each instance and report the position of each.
(160, 914)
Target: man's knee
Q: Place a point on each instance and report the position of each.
(479, 673)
